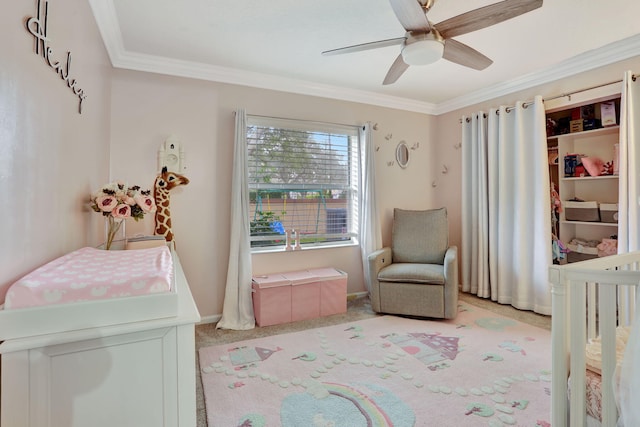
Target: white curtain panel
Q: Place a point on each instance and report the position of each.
(628, 388)
(628, 181)
(475, 216)
(629, 167)
(237, 312)
(370, 233)
(506, 206)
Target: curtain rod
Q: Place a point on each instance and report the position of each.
(568, 94)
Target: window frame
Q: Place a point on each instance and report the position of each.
(349, 237)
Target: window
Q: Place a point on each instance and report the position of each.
(303, 176)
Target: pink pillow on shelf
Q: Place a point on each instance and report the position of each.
(608, 247)
(593, 165)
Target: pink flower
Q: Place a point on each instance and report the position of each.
(106, 203)
(120, 202)
(121, 211)
(146, 203)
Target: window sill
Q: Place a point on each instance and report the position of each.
(281, 249)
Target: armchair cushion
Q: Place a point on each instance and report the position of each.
(432, 274)
(420, 236)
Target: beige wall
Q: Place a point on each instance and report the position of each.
(51, 157)
(147, 108)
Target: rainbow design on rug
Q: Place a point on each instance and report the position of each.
(355, 405)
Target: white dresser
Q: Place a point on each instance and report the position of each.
(137, 374)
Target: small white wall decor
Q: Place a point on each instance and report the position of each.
(171, 155)
(402, 154)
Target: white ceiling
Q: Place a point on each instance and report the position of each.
(276, 44)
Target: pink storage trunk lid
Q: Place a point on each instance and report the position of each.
(270, 281)
(300, 277)
(328, 273)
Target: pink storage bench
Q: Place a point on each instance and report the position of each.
(298, 295)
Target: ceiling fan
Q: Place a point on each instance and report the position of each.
(425, 42)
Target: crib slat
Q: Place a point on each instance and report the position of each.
(607, 307)
(559, 346)
(578, 342)
(625, 301)
(634, 295)
(591, 311)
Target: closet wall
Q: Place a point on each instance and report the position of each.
(583, 166)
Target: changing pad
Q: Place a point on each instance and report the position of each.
(91, 274)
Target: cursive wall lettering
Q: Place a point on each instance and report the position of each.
(37, 26)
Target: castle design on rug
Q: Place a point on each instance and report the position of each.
(427, 347)
(163, 184)
(244, 355)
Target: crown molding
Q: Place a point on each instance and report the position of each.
(107, 21)
(608, 54)
(195, 70)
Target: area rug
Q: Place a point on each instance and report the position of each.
(480, 369)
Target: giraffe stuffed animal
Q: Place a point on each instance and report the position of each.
(164, 183)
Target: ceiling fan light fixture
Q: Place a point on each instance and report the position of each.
(423, 52)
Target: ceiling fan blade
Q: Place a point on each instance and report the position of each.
(397, 69)
(462, 54)
(365, 46)
(411, 15)
(485, 17)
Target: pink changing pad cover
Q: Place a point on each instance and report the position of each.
(92, 274)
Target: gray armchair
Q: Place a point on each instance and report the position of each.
(418, 274)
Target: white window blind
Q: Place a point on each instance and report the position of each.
(303, 176)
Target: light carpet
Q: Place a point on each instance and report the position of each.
(479, 369)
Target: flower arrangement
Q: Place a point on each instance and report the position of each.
(117, 202)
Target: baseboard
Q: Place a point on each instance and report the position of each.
(356, 295)
(209, 319)
(216, 317)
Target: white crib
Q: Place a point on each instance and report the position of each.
(590, 299)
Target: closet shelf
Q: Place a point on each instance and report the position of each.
(589, 178)
(594, 132)
(605, 224)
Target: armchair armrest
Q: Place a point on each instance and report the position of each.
(451, 282)
(377, 260)
(450, 260)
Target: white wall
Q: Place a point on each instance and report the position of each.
(147, 108)
(51, 157)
